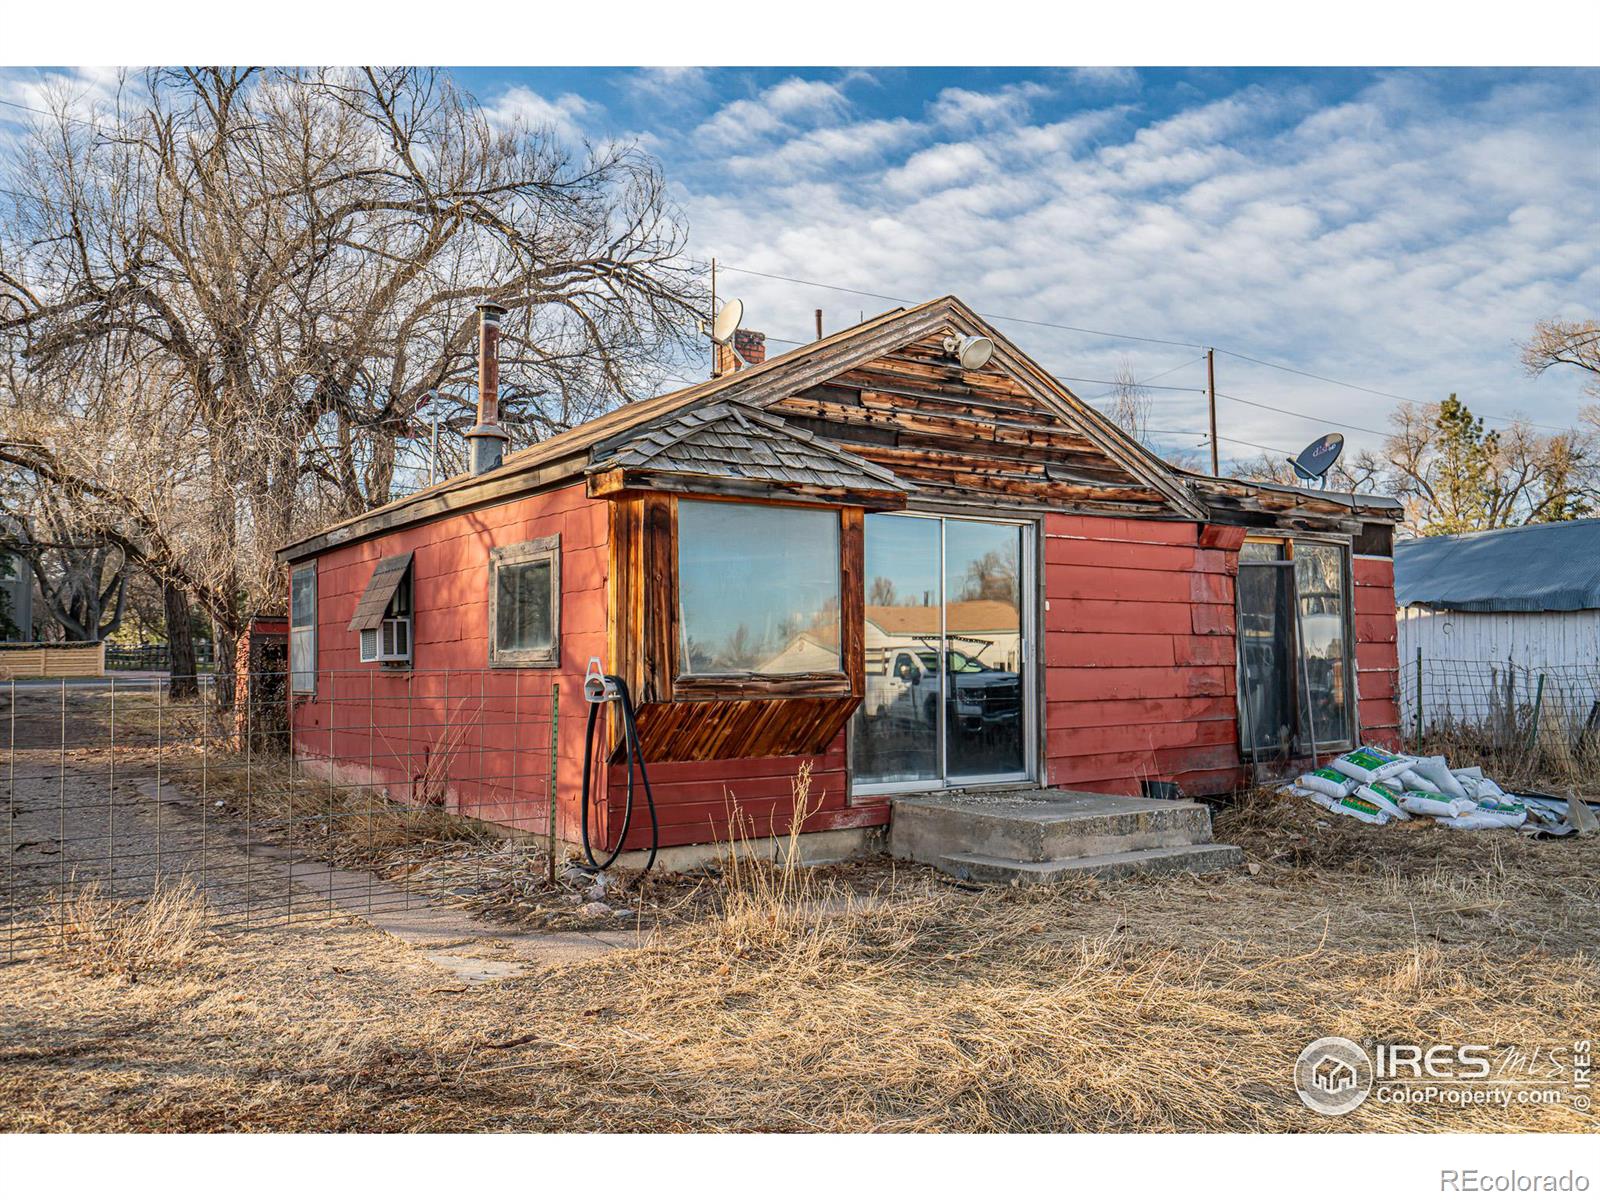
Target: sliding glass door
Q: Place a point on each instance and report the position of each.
(948, 684)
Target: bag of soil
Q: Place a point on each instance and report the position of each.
(1370, 764)
(1412, 782)
(1424, 803)
(1509, 809)
(1354, 806)
(1385, 797)
(1437, 774)
(1328, 782)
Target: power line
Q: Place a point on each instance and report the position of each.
(832, 287)
(1134, 337)
(1289, 412)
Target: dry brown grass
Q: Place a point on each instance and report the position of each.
(1174, 1004)
(106, 936)
(887, 999)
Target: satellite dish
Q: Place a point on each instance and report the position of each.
(1315, 461)
(727, 322)
(973, 353)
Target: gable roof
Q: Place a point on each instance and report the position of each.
(1532, 568)
(961, 616)
(568, 454)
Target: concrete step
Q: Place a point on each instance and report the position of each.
(1162, 860)
(1041, 825)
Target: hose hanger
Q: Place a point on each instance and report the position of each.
(600, 689)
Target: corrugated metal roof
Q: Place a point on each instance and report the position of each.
(1532, 568)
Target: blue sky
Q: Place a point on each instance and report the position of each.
(1396, 229)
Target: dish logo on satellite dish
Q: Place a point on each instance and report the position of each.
(1317, 459)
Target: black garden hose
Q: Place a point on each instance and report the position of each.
(630, 739)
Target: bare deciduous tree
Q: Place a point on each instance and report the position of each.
(289, 260)
(1565, 343)
(1130, 405)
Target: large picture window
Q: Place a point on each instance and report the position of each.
(758, 589)
(525, 604)
(1296, 660)
(303, 629)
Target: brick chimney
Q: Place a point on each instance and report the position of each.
(487, 439)
(752, 346)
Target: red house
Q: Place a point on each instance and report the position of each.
(903, 552)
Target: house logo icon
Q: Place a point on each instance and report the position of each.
(1333, 1076)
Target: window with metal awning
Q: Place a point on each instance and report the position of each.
(383, 614)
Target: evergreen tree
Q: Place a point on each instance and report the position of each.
(1465, 490)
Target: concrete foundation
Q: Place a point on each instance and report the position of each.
(813, 849)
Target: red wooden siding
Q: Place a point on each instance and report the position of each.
(1376, 650)
(388, 726)
(1138, 656)
(697, 801)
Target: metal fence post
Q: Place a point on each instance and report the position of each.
(1418, 743)
(1538, 703)
(550, 819)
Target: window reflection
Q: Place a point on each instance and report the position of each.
(944, 672)
(1294, 651)
(758, 589)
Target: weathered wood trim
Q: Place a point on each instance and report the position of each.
(494, 489)
(623, 482)
(853, 598)
(761, 687)
(543, 549)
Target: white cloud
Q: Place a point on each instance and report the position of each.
(1109, 79)
(674, 87)
(1403, 238)
(936, 168)
(781, 108)
(959, 108)
(566, 114)
(826, 149)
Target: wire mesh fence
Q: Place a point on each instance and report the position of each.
(354, 798)
(1537, 721)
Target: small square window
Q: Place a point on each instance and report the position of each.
(525, 604)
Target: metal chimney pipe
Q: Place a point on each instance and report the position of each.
(487, 439)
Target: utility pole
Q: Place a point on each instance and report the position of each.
(819, 324)
(714, 348)
(1211, 398)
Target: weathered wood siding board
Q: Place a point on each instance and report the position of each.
(24, 659)
(1465, 657)
(381, 726)
(1139, 656)
(970, 435)
(699, 802)
(1377, 660)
